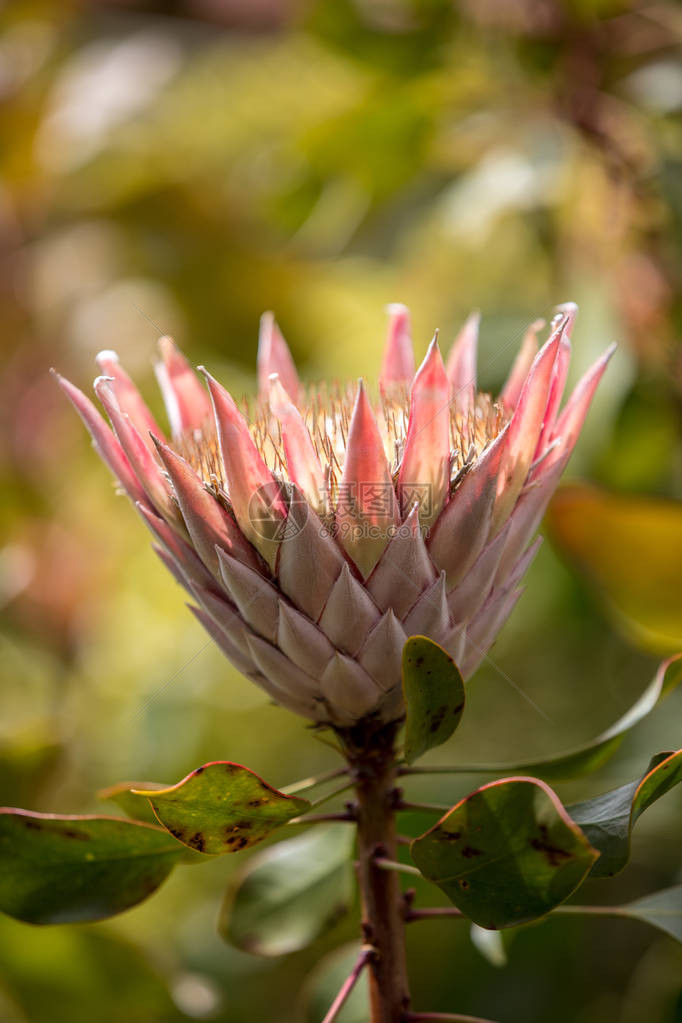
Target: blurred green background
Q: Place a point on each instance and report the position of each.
(178, 168)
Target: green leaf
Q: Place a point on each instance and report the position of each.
(589, 757)
(59, 869)
(222, 808)
(124, 796)
(607, 820)
(506, 854)
(290, 894)
(434, 696)
(662, 909)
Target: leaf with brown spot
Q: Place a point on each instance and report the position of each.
(434, 696)
(506, 854)
(222, 807)
(67, 869)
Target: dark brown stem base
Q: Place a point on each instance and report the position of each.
(371, 756)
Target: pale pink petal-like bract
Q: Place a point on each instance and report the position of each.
(425, 468)
(398, 364)
(274, 357)
(367, 507)
(186, 401)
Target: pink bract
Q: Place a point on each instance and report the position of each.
(321, 529)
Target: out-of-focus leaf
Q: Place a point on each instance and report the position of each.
(325, 982)
(26, 762)
(434, 696)
(77, 975)
(123, 796)
(506, 854)
(607, 820)
(631, 549)
(59, 869)
(222, 807)
(589, 757)
(490, 944)
(662, 909)
(290, 894)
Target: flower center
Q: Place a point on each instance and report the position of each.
(327, 410)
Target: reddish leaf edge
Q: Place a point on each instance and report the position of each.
(22, 812)
(549, 791)
(165, 790)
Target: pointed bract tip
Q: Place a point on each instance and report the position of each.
(104, 382)
(107, 355)
(279, 398)
(159, 444)
(168, 350)
(398, 359)
(432, 360)
(274, 357)
(70, 390)
(568, 308)
(220, 396)
(411, 520)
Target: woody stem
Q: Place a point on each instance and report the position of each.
(371, 756)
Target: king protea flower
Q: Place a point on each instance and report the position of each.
(321, 526)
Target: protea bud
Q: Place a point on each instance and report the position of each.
(319, 531)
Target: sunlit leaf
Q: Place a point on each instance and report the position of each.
(630, 548)
(490, 944)
(506, 854)
(607, 820)
(434, 696)
(64, 869)
(290, 894)
(222, 807)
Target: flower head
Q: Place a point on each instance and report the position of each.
(317, 528)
